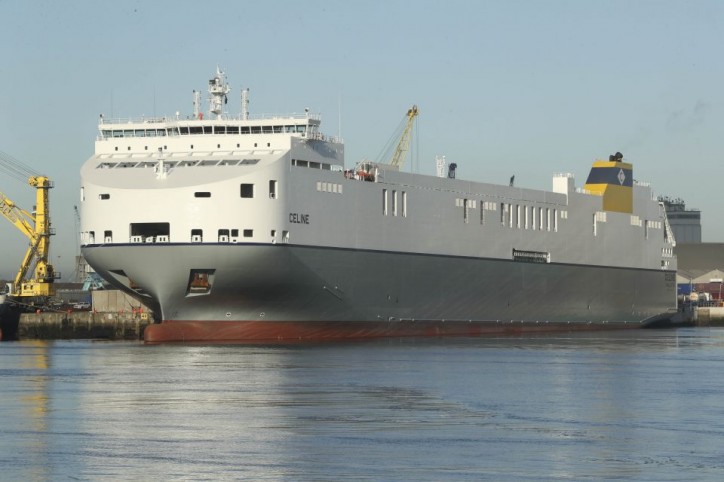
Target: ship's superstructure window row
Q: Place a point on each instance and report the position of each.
(171, 164)
(316, 165)
(329, 187)
(521, 216)
(398, 201)
(159, 233)
(206, 129)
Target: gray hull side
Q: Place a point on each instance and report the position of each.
(296, 283)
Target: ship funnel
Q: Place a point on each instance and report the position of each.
(612, 179)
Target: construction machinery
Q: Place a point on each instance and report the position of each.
(33, 283)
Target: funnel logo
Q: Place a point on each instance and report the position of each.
(621, 177)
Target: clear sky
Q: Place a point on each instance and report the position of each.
(524, 88)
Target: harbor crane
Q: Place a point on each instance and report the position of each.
(33, 283)
(398, 158)
(366, 169)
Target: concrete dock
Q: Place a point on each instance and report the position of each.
(113, 316)
(82, 325)
(709, 316)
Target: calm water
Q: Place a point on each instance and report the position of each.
(643, 405)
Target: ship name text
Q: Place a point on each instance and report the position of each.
(299, 218)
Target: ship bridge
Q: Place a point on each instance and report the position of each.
(302, 125)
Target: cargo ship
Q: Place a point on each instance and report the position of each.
(252, 228)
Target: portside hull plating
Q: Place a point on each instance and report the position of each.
(279, 291)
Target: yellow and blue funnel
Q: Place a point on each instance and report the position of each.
(612, 179)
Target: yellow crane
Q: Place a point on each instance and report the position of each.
(366, 169)
(398, 158)
(36, 227)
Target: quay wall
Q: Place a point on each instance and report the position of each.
(113, 316)
(710, 316)
(79, 325)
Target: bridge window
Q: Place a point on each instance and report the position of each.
(202, 194)
(248, 233)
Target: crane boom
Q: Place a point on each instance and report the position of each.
(36, 227)
(398, 158)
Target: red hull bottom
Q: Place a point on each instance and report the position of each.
(301, 331)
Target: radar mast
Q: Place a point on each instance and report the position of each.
(218, 90)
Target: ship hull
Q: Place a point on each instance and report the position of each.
(275, 292)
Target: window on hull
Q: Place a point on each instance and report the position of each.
(247, 190)
(148, 232)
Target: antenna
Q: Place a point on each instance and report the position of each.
(245, 104)
(196, 101)
(339, 115)
(218, 88)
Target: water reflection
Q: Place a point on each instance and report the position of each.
(574, 406)
(25, 402)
